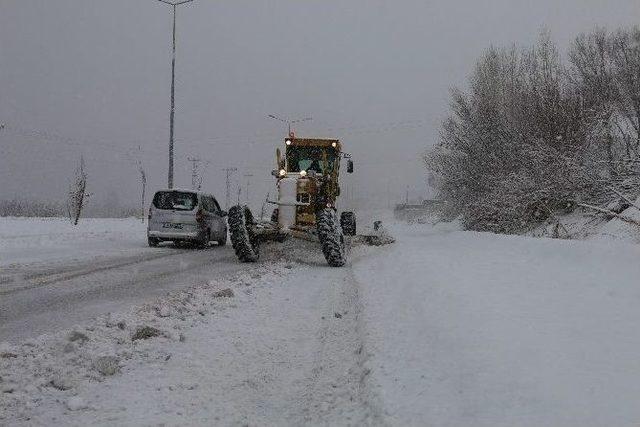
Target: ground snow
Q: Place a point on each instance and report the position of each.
(29, 240)
(51, 378)
(491, 330)
(277, 344)
(442, 328)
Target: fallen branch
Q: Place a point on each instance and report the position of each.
(610, 213)
(557, 225)
(625, 198)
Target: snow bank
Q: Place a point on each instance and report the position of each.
(622, 230)
(51, 377)
(589, 225)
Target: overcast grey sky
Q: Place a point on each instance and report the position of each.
(94, 75)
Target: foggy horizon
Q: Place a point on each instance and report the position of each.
(93, 79)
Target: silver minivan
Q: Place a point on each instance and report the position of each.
(186, 216)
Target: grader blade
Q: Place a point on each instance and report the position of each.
(378, 236)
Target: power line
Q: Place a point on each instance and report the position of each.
(289, 122)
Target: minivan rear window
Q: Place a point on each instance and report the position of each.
(177, 200)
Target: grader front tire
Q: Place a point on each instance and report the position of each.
(331, 238)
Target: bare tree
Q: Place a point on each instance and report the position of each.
(143, 181)
(77, 193)
(136, 158)
(606, 68)
(532, 136)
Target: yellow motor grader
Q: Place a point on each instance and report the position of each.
(307, 190)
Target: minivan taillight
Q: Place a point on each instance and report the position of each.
(200, 215)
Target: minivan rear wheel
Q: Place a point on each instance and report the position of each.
(153, 242)
(223, 240)
(205, 240)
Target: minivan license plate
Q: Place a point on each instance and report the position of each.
(172, 225)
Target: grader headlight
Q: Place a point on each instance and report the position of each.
(283, 172)
(303, 173)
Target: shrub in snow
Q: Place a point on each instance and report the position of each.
(31, 208)
(78, 336)
(163, 311)
(145, 332)
(225, 293)
(107, 365)
(61, 383)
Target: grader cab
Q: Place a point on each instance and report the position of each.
(308, 188)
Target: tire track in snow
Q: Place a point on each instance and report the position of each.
(48, 277)
(32, 310)
(339, 389)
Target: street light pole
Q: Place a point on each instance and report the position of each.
(172, 113)
(289, 122)
(173, 84)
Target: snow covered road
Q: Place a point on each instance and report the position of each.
(54, 275)
(286, 349)
(443, 328)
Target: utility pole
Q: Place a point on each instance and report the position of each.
(173, 84)
(195, 162)
(143, 180)
(248, 176)
(229, 171)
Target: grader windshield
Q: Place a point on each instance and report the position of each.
(308, 155)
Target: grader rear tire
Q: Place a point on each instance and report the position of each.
(331, 238)
(348, 223)
(244, 242)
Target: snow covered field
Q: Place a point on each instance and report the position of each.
(442, 328)
(36, 240)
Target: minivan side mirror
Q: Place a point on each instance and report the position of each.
(349, 166)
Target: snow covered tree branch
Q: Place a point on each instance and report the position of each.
(532, 135)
